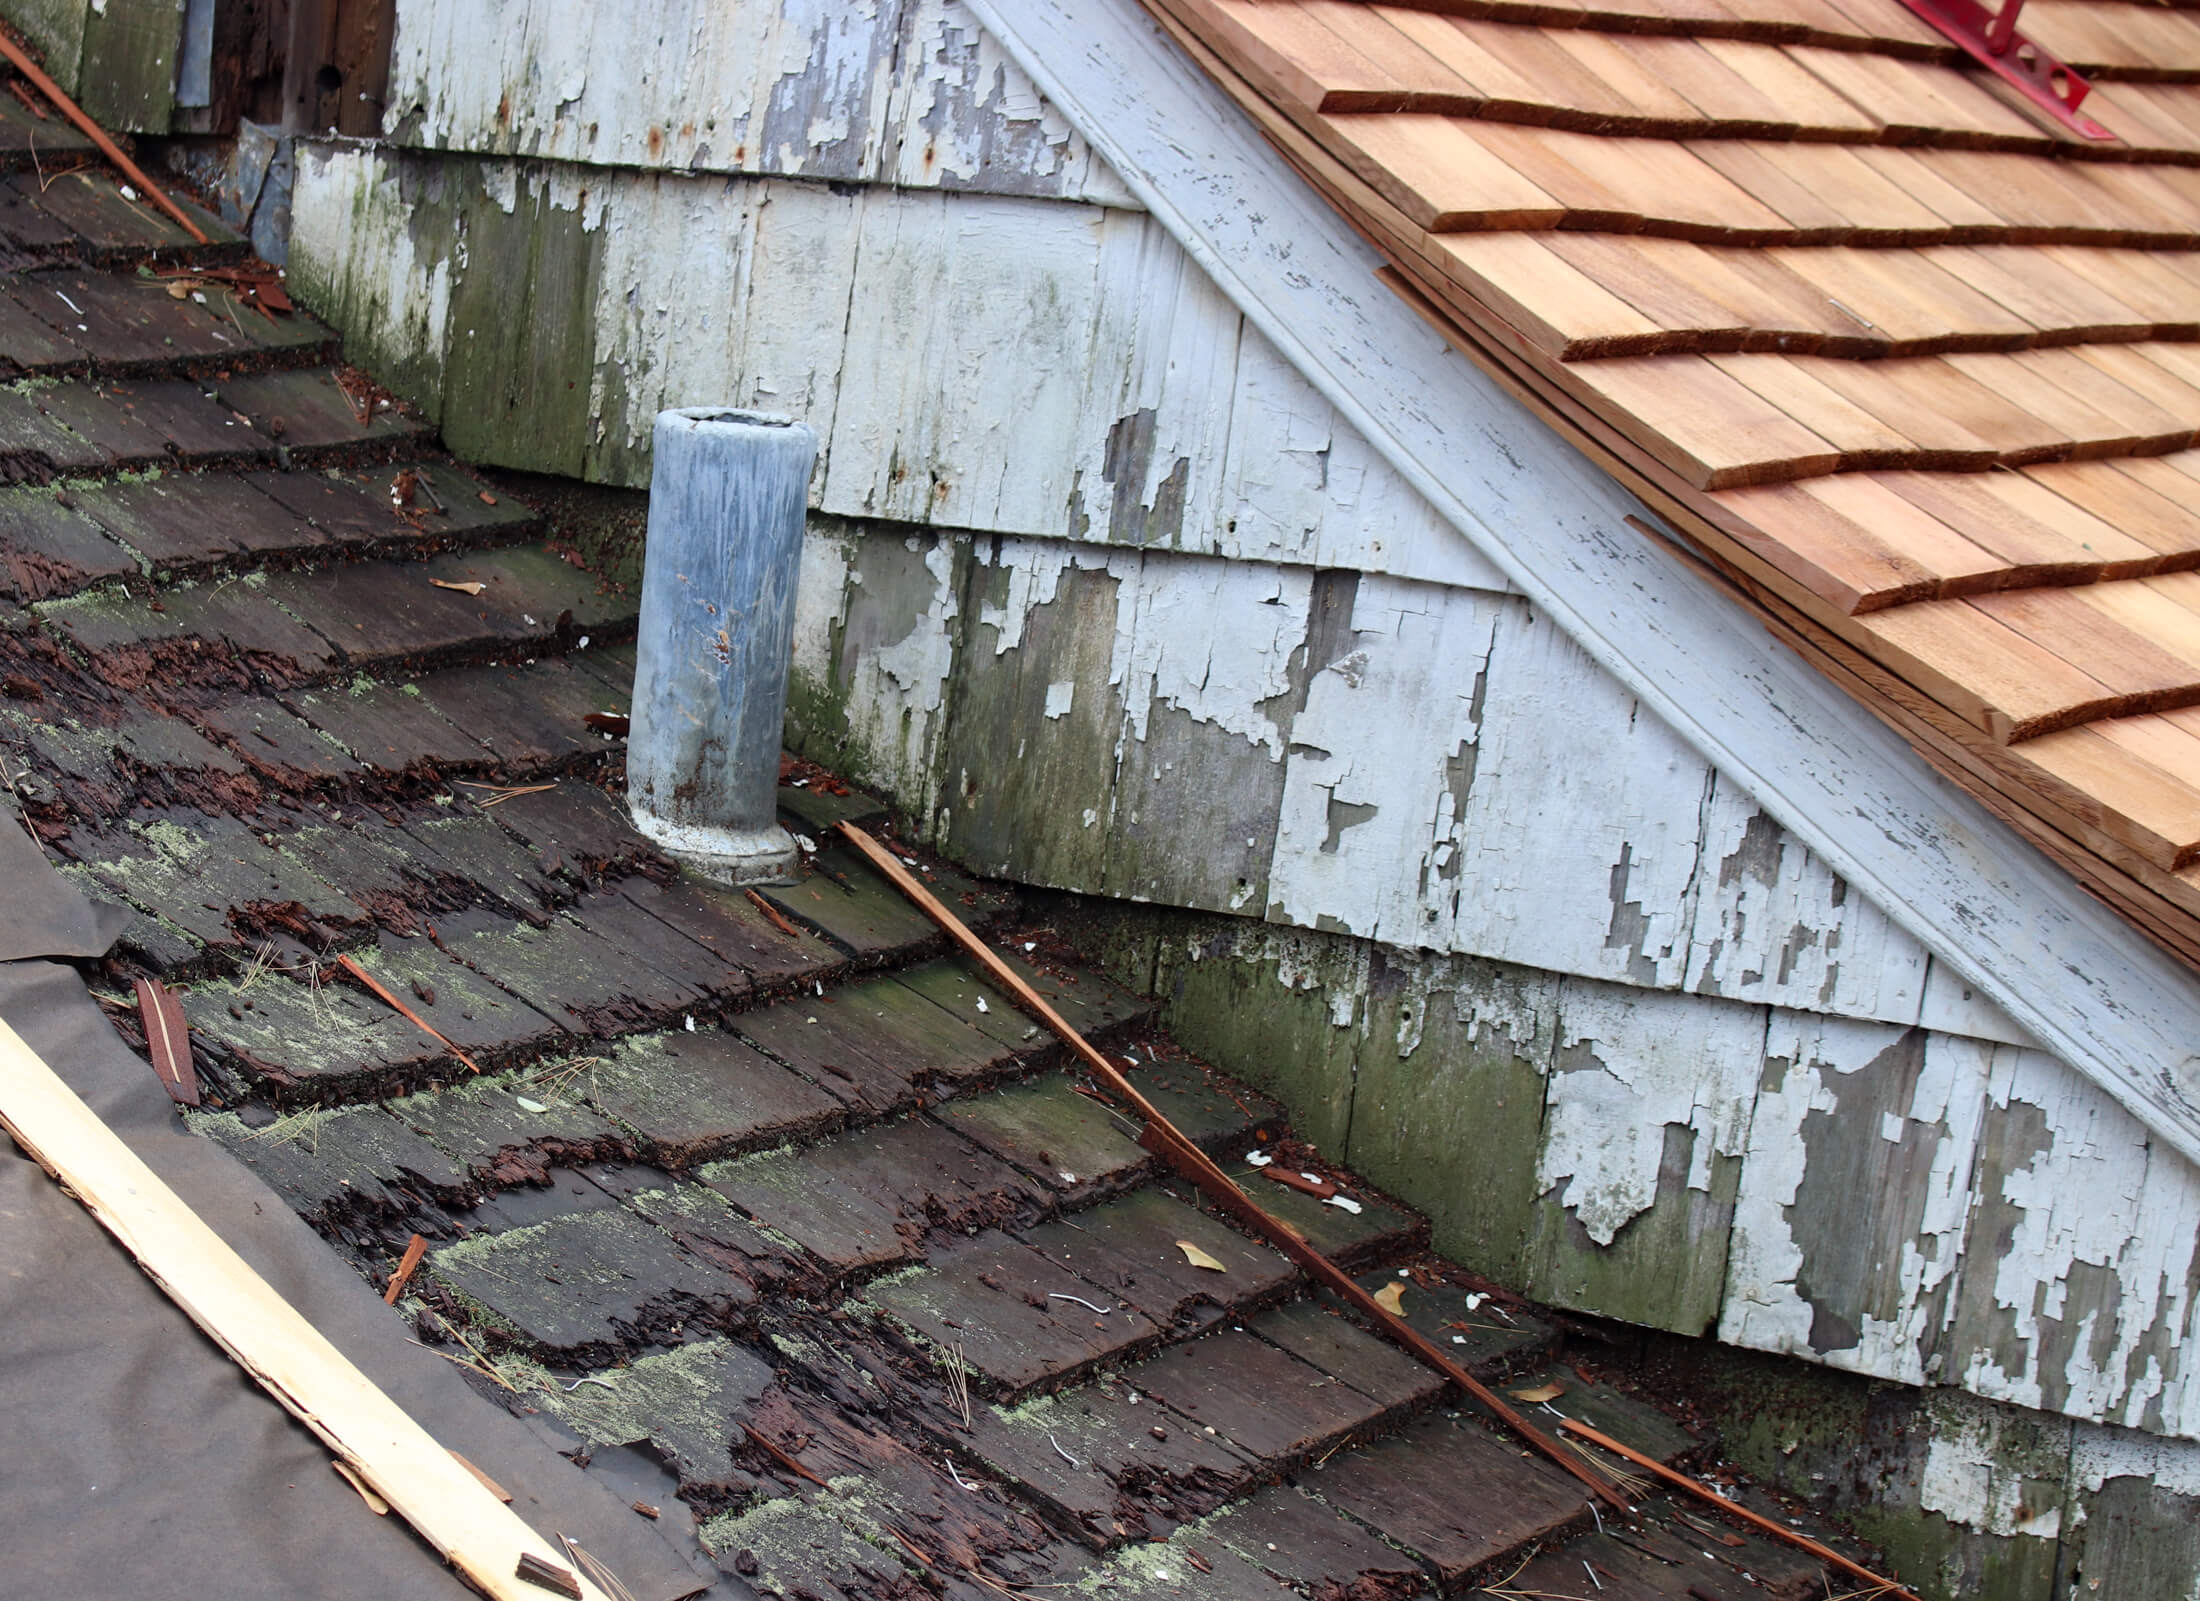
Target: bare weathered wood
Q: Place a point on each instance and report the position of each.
(291, 1359)
(1162, 1139)
(98, 135)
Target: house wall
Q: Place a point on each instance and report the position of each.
(1107, 597)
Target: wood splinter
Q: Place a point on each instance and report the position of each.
(415, 1249)
(382, 993)
(782, 1457)
(549, 1575)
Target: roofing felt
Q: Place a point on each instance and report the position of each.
(762, 1207)
(1909, 364)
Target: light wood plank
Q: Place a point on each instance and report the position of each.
(2084, 407)
(1861, 439)
(1949, 413)
(1673, 283)
(1623, 178)
(1912, 102)
(1291, 53)
(1839, 557)
(1716, 432)
(2170, 532)
(1992, 675)
(1563, 310)
(2130, 638)
(2044, 292)
(1904, 296)
(2039, 537)
(1439, 175)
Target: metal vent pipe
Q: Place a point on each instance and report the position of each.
(727, 494)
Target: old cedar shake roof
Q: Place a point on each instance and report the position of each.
(1912, 366)
(749, 1172)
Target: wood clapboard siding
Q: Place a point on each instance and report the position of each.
(982, 362)
(1419, 765)
(907, 92)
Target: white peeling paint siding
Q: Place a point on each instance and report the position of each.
(2078, 1296)
(908, 92)
(1626, 1080)
(1930, 1209)
(1464, 778)
(974, 362)
(1861, 1147)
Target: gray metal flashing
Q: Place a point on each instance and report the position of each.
(2087, 984)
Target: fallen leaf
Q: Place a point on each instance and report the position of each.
(1392, 1299)
(1198, 1258)
(488, 499)
(1539, 1394)
(471, 587)
(607, 722)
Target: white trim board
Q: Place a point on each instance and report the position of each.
(2091, 988)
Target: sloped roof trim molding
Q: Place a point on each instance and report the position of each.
(2081, 980)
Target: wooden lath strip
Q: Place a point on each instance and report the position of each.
(370, 1434)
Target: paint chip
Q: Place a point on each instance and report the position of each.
(1060, 697)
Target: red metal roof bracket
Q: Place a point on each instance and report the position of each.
(1992, 40)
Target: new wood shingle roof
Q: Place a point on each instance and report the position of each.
(1909, 364)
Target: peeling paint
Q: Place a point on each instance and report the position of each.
(1975, 1479)
(1849, 1226)
(942, 344)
